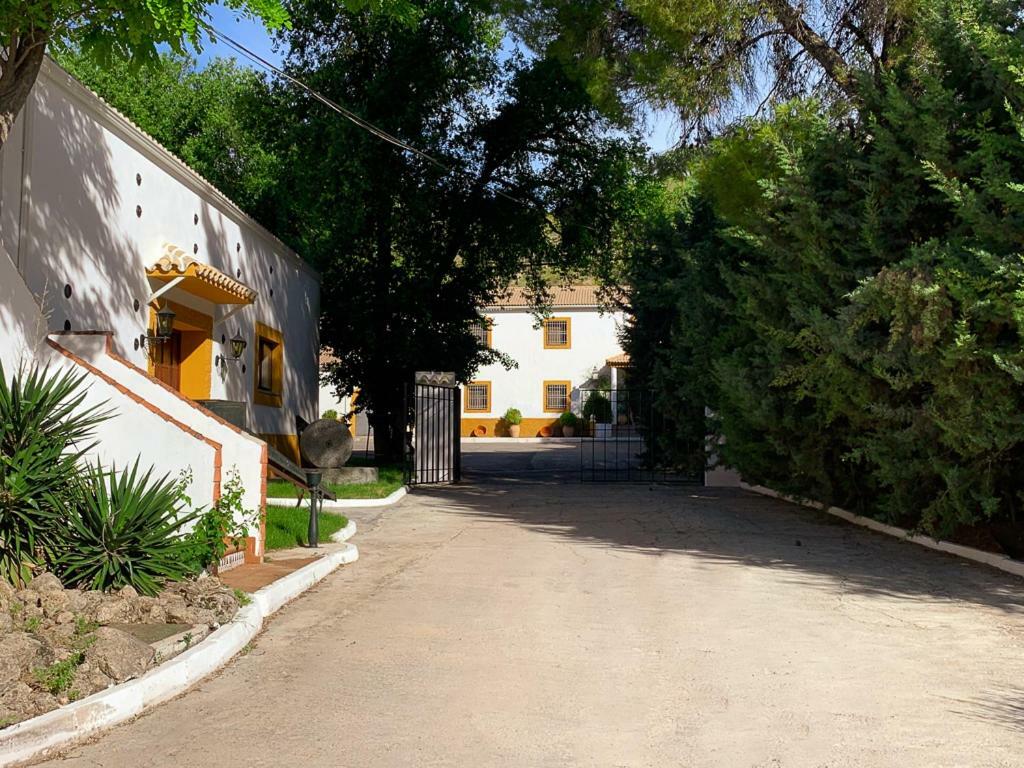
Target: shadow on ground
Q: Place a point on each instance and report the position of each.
(735, 528)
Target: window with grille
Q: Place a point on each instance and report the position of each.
(269, 366)
(556, 396)
(482, 332)
(478, 397)
(557, 332)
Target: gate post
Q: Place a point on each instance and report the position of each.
(456, 435)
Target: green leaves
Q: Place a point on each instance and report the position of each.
(123, 529)
(44, 430)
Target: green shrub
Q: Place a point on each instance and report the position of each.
(513, 416)
(123, 530)
(330, 413)
(569, 419)
(45, 431)
(598, 407)
(224, 524)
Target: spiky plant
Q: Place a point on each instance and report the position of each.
(44, 431)
(125, 529)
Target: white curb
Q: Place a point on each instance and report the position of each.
(1002, 562)
(392, 498)
(43, 735)
(345, 533)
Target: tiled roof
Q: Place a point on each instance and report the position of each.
(586, 296)
(176, 262)
(621, 360)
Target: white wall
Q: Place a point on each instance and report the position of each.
(595, 338)
(68, 200)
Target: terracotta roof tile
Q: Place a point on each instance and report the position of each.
(588, 296)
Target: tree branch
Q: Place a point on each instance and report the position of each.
(827, 57)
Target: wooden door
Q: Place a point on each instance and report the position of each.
(167, 361)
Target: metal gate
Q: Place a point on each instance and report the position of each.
(625, 440)
(432, 445)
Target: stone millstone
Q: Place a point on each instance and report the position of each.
(326, 443)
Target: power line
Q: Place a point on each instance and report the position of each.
(343, 111)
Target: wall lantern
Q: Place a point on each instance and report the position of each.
(164, 326)
(238, 345)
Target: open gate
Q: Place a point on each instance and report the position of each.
(625, 439)
(432, 444)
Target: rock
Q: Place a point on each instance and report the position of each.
(128, 592)
(64, 617)
(113, 611)
(157, 615)
(53, 603)
(90, 679)
(326, 443)
(119, 655)
(46, 582)
(176, 610)
(6, 595)
(19, 653)
(6, 622)
(25, 701)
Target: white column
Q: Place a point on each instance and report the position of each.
(614, 396)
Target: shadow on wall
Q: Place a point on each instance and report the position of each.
(736, 528)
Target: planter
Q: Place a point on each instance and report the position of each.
(480, 431)
(568, 431)
(513, 430)
(545, 431)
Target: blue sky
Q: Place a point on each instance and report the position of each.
(662, 131)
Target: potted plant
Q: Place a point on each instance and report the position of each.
(513, 418)
(568, 422)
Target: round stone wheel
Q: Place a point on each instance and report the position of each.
(326, 443)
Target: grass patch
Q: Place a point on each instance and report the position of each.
(391, 478)
(289, 526)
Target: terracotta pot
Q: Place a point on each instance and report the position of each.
(479, 431)
(545, 431)
(623, 419)
(513, 430)
(568, 431)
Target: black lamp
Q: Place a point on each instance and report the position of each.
(238, 345)
(164, 323)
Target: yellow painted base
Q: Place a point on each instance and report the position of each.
(498, 428)
(286, 444)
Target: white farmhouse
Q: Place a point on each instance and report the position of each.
(102, 232)
(574, 348)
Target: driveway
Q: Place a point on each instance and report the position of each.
(534, 625)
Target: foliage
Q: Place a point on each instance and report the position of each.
(843, 289)
(513, 416)
(289, 526)
(225, 524)
(330, 413)
(597, 407)
(569, 419)
(530, 181)
(59, 676)
(389, 479)
(45, 431)
(123, 530)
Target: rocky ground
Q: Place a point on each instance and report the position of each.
(58, 645)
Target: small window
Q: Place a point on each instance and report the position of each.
(482, 332)
(478, 397)
(556, 396)
(269, 368)
(557, 333)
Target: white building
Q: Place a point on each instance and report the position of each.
(574, 349)
(100, 227)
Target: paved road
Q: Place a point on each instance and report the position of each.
(535, 625)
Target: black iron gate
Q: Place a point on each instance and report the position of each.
(626, 439)
(432, 445)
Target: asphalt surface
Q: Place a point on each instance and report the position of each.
(519, 621)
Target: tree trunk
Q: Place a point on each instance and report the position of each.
(817, 47)
(389, 420)
(18, 74)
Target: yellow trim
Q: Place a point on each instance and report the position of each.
(196, 367)
(465, 397)
(530, 427)
(261, 396)
(200, 279)
(544, 396)
(286, 444)
(568, 333)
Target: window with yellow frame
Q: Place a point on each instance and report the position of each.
(558, 333)
(269, 366)
(482, 332)
(478, 397)
(557, 396)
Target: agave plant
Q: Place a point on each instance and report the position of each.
(125, 529)
(44, 431)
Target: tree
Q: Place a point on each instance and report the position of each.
(712, 60)
(124, 28)
(528, 182)
(211, 118)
